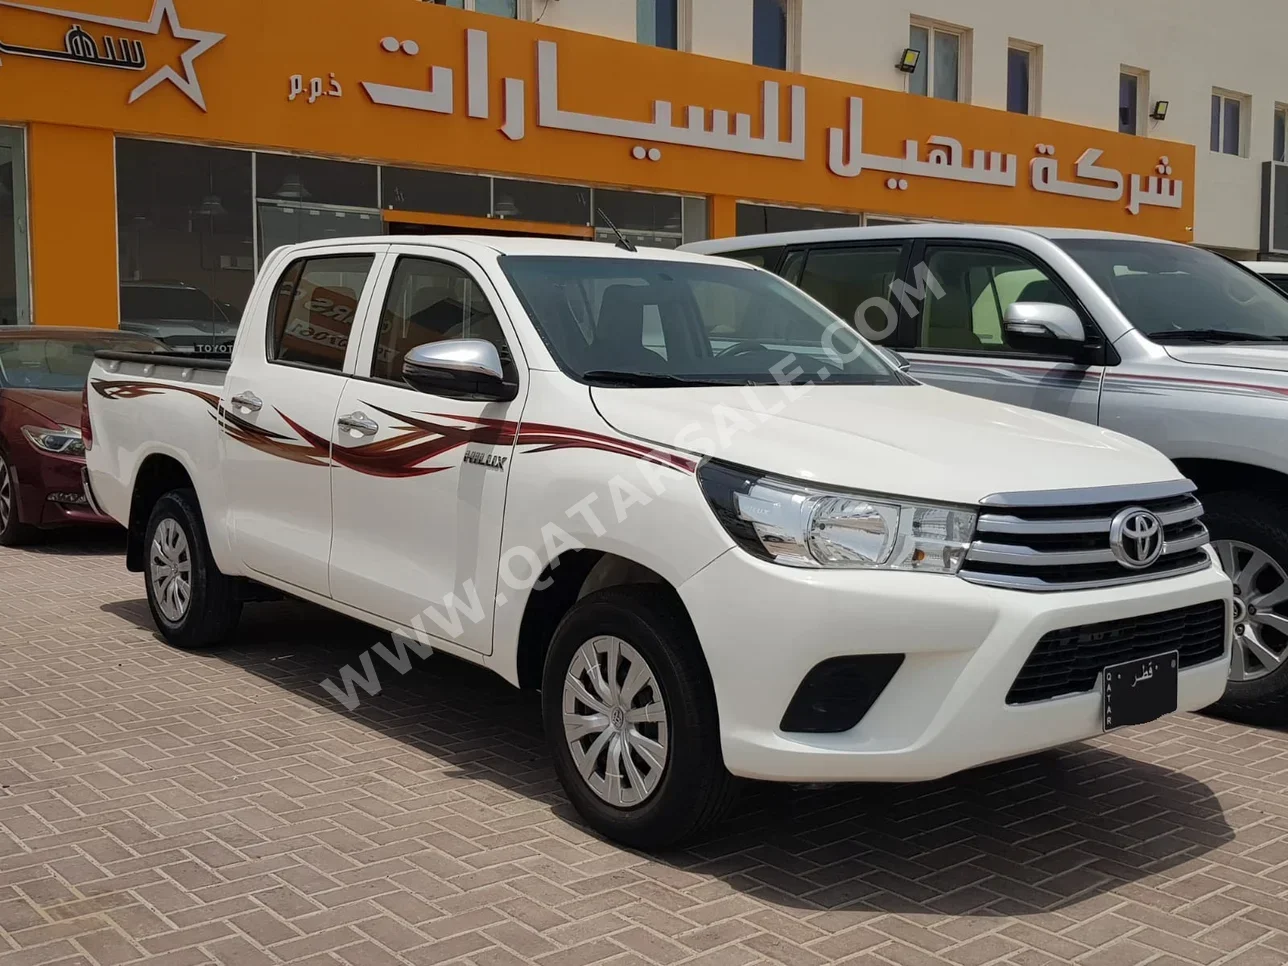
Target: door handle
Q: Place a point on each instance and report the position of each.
(248, 401)
(358, 423)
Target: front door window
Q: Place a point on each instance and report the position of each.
(15, 301)
(975, 288)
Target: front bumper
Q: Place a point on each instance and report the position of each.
(52, 493)
(764, 626)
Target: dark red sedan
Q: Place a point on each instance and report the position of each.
(42, 374)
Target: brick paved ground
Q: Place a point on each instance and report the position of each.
(221, 808)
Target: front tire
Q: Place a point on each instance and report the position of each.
(13, 532)
(1250, 534)
(630, 714)
(193, 604)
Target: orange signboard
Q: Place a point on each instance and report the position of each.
(419, 84)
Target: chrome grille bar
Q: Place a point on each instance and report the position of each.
(1063, 543)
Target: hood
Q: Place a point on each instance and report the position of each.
(60, 408)
(1273, 357)
(914, 441)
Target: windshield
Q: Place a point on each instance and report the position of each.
(60, 364)
(1169, 291)
(636, 321)
(168, 304)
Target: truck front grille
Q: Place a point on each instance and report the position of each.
(1060, 540)
(1071, 661)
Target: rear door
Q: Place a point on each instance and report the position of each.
(279, 408)
(957, 294)
(419, 489)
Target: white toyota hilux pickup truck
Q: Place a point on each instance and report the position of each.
(722, 534)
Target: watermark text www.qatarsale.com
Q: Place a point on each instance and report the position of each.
(523, 569)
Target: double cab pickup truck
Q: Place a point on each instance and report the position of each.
(721, 533)
(1168, 343)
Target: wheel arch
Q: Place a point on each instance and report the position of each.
(158, 474)
(564, 581)
(1219, 475)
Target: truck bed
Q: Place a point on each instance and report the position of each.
(155, 413)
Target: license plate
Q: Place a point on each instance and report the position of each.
(1137, 692)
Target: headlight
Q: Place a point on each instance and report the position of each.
(61, 442)
(803, 526)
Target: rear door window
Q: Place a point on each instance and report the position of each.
(848, 280)
(766, 258)
(314, 309)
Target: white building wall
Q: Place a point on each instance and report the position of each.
(1188, 47)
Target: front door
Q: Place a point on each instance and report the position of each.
(419, 480)
(279, 408)
(960, 344)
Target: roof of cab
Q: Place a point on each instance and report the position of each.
(1267, 268)
(909, 230)
(509, 245)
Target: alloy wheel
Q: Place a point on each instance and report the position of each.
(6, 495)
(615, 721)
(170, 568)
(1260, 609)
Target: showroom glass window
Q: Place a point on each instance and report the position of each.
(185, 230)
(303, 199)
(15, 298)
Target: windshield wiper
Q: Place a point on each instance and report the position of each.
(642, 380)
(1214, 335)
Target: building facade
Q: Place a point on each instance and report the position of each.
(153, 152)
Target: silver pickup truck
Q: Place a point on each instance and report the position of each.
(1179, 347)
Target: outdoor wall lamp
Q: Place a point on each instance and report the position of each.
(908, 60)
(1159, 113)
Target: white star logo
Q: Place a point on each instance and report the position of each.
(162, 11)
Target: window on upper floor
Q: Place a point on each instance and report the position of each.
(657, 23)
(1281, 133)
(941, 69)
(1023, 77)
(1228, 134)
(514, 9)
(775, 32)
(1133, 95)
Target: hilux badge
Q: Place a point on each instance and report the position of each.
(486, 460)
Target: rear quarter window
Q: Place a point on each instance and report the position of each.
(766, 258)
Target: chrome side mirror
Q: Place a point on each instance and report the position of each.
(1044, 320)
(469, 368)
(895, 359)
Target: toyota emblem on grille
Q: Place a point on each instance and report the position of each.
(1136, 538)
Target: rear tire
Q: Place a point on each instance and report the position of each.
(13, 532)
(193, 604)
(647, 771)
(1250, 533)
